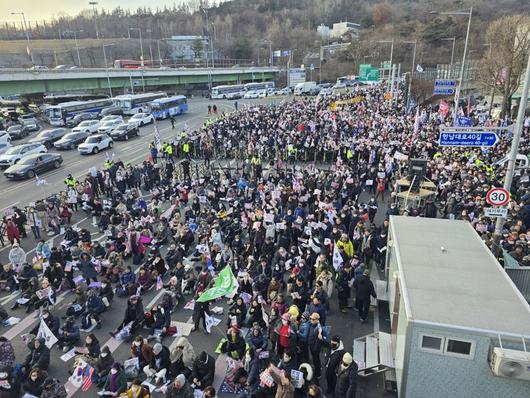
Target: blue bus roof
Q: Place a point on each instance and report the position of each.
(167, 99)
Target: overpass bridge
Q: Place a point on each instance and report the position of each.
(35, 82)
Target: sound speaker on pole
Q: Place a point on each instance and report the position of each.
(416, 175)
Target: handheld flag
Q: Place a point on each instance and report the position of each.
(87, 378)
(159, 283)
(337, 258)
(225, 285)
(211, 321)
(419, 68)
(40, 181)
(158, 142)
(46, 334)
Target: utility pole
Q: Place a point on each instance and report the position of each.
(94, 4)
(150, 49)
(513, 154)
(411, 70)
(107, 67)
(30, 53)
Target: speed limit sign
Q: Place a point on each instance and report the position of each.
(498, 197)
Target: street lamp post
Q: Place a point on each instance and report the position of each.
(150, 49)
(107, 66)
(141, 54)
(388, 85)
(30, 53)
(459, 87)
(453, 39)
(75, 32)
(94, 4)
(205, 11)
(159, 56)
(412, 69)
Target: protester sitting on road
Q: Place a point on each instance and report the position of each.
(141, 349)
(34, 383)
(116, 381)
(134, 315)
(38, 357)
(203, 371)
(136, 390)
(68, 334)
(102, 366)
(182, 357)
(7, 355)
(159, 365)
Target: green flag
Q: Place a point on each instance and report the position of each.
(225, 285)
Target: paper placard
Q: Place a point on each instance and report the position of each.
(381, 175)
(268, 217)
(69, 355)
(369, 183)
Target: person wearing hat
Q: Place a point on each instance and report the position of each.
(333, 359)
(203, 370)
(364, 288)
(235, 344)
(17, 256)
(179, 388)
(346, 384)
(159, 365)
(287, 337)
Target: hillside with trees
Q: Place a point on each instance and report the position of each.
(243, 29)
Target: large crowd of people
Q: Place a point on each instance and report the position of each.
(302, 224)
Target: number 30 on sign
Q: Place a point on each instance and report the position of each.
(498, 197)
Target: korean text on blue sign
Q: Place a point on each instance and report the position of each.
(444, 83)
(470, 139)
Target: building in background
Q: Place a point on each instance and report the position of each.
(188, 48)
(340, 30)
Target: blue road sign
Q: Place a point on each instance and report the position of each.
(463, 121)
(468, 138)
(443, 91)
(444, 83)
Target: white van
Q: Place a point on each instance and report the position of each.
(522, 163)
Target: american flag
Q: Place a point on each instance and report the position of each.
(87, 378)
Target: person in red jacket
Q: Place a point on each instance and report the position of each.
(12, 231)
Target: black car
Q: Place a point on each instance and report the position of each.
(33, 165)
(110, 110)
(71, 140)
(48, 137)
(79, 118)
(18, 131)
(124, 131)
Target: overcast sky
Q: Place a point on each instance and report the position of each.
(45, 9)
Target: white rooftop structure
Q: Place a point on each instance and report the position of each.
(451, 280)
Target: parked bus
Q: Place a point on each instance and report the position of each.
(162, 108)
(232, 91)
(136, 103)
(61, 98)
(58, 115)
(131, 64)
(259, 86)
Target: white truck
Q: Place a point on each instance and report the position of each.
(305, 88)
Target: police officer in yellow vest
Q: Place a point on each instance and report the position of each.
(349, 154)
(168, 150)
(186, 149)
(108, 164)
(70, 181)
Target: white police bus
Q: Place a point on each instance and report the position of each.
(162, 108)
(58, 115)
(136, 103)
(231, 91)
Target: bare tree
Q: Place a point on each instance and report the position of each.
(503, 64)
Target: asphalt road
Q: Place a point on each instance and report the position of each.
(345, 325)
(132, 151)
